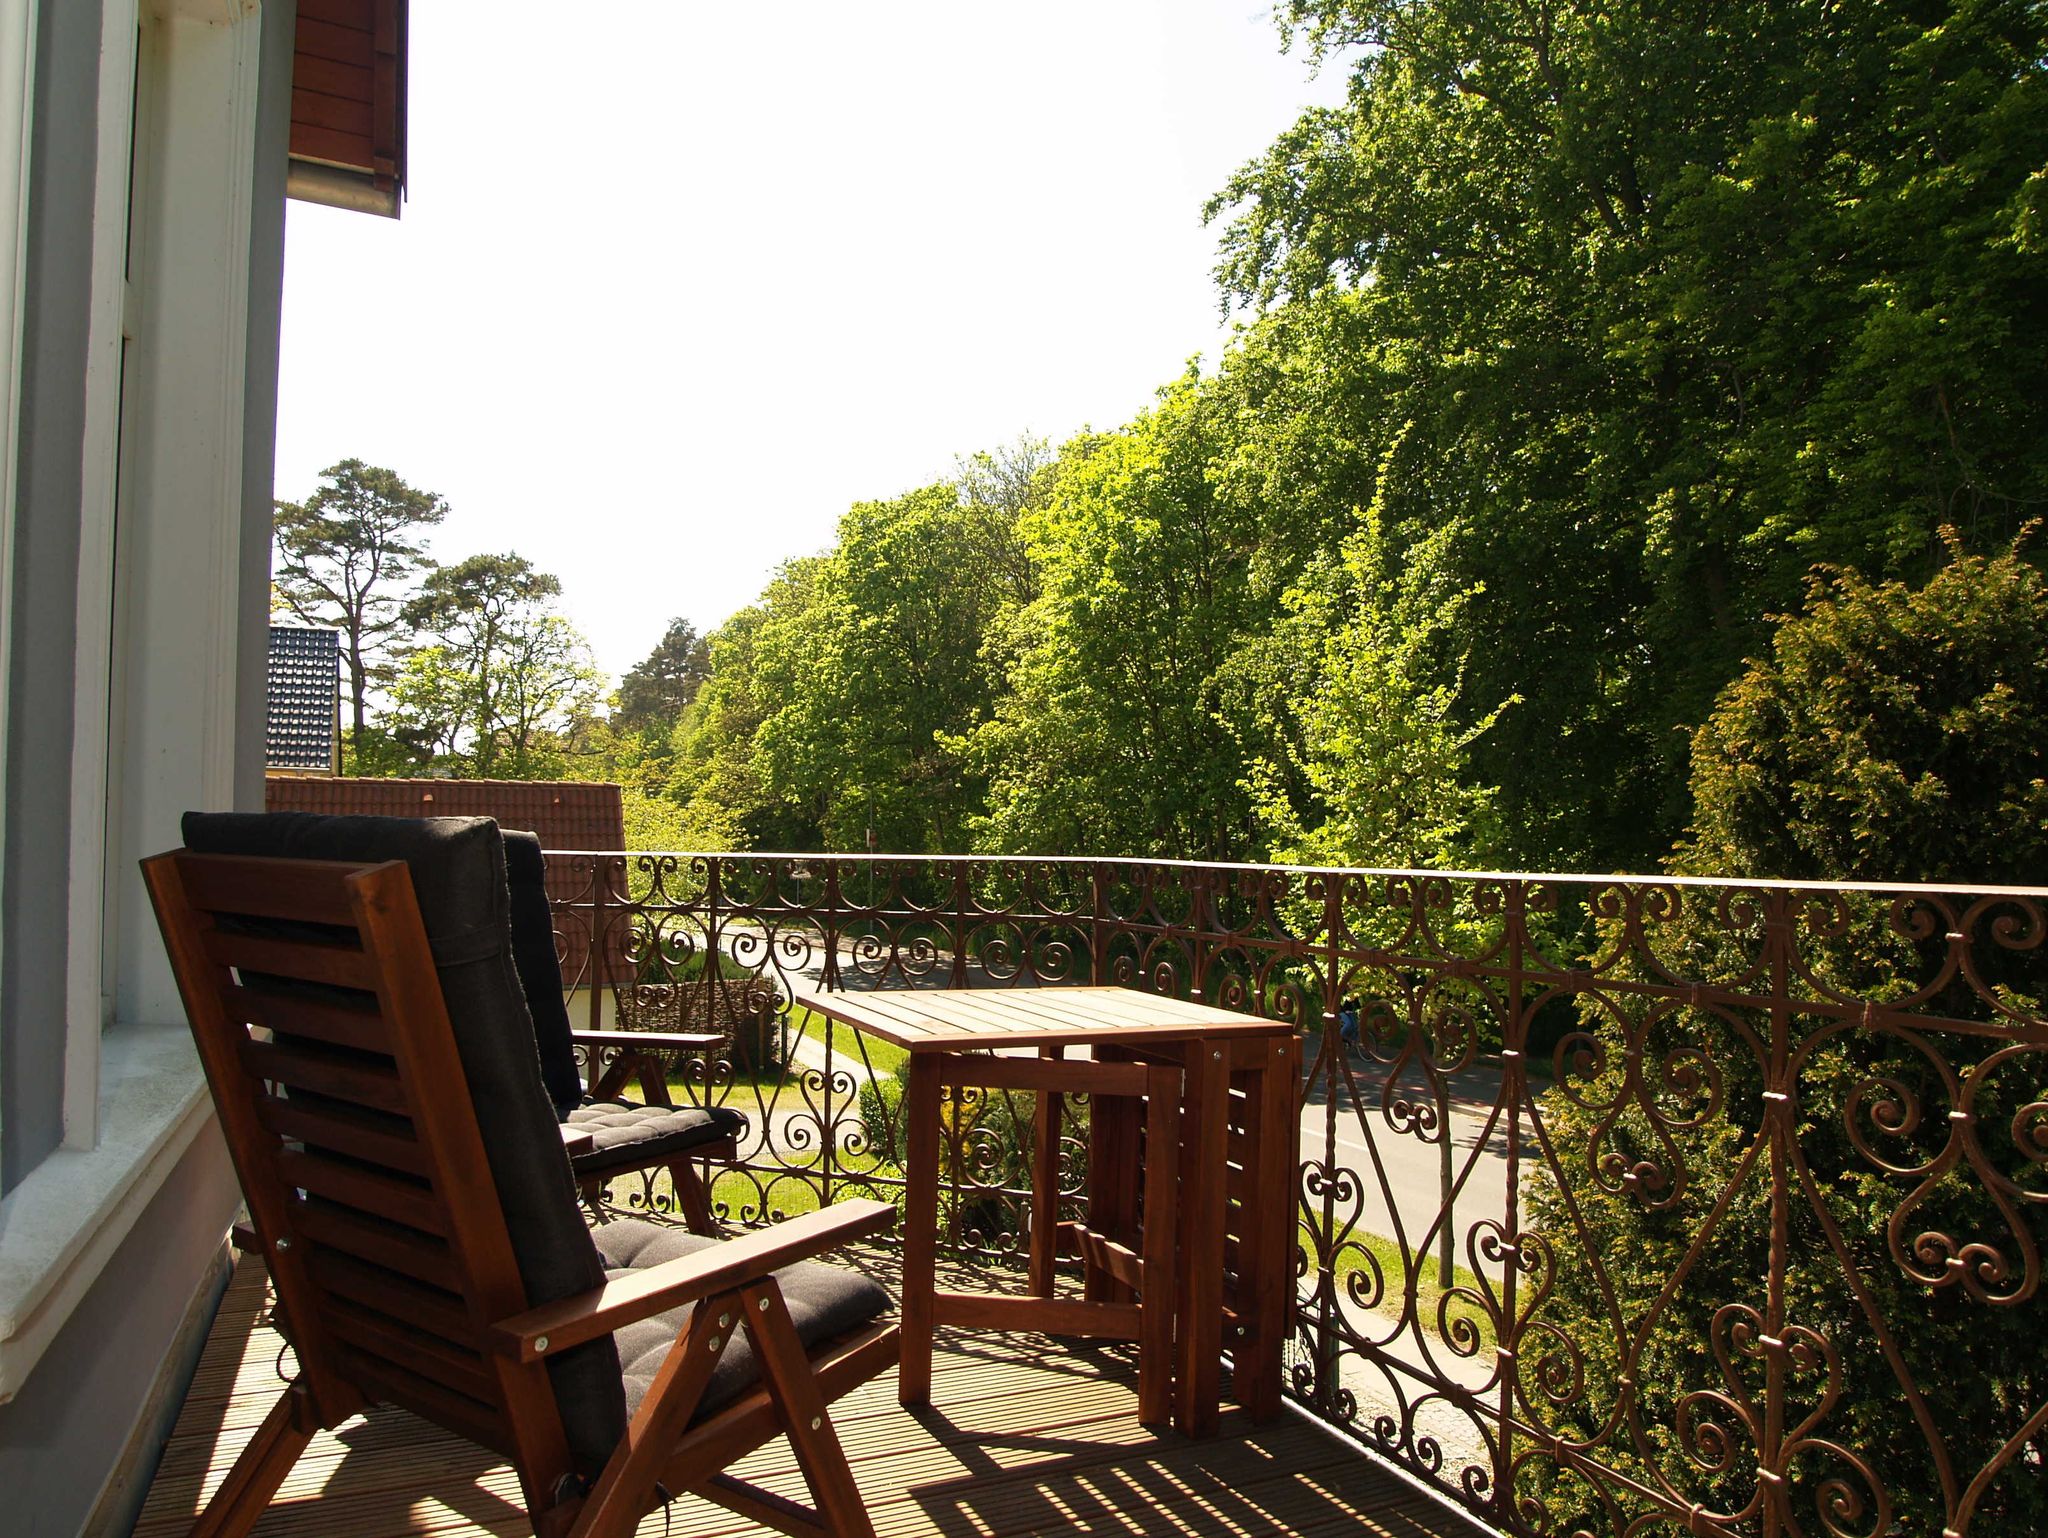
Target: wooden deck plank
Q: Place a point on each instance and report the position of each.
(1025, 1436)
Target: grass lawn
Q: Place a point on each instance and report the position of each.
(882, 1056)
(754, 1094)
(754, 1090)
(796, 1195)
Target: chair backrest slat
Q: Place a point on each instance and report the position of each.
(352, 1082)
(379, 1140)
(339, 1025)
(397, 1250)
(411, 1202)
(393, 1384)
(296, 891)
(400, 1298)
(304, 961)
(378, 1335)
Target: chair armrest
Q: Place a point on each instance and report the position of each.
(650, 1041)
(554, 1327)
(576, 1141)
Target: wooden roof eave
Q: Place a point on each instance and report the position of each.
(348, 128)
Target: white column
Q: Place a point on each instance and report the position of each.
(17, 76)
(177, 598)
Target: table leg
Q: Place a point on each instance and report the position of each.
(1270, 1228)
(921, 1108)
(1045, 1185)
(1112, 1179)
(1205, 1134)
(1159, 1299)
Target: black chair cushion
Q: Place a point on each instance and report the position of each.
(628, 1136)
(540, 969)
(824, 1301)
(458, 877)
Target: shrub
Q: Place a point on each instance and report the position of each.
(1894, 734)
(881, 1112)
(995, 1136)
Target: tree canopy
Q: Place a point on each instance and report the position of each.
(343, 560)
(1572, 342)
(498, 675)
(656, 690)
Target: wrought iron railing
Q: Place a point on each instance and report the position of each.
(1634, 1205)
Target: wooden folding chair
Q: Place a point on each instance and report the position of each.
(409, 1193)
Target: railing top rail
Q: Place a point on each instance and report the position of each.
(1741, 883)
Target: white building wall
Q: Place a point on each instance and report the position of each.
(111, 1245)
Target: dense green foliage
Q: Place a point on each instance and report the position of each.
(1894, 731)
(500, 675)
(1576, 338)
(834, 705)
(1675, 300)
(655, 691)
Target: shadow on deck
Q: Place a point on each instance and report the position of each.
(1025, 1436)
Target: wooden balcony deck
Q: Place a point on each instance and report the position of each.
(1025, 1436)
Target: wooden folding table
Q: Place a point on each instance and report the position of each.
(1220, 1216)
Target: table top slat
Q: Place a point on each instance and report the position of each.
(882, 1008)
(905, 1005)
(964, 1019)
(1110, 1005)
(1042, 1006)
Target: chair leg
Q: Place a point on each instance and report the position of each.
(693, 1201)
(264, 1463)
(787, 1374)
(621, 1495)
(592, 1192)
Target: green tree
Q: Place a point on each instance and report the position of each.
(888, 659)
(1377, 771)
(344, 558)
(432, 707)
(718, 780)
(996, 489)
(503, 676)
(1122, 727)
(1894, 732)
(835, 704)
(659, 688)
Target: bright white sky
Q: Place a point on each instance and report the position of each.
(676, 283)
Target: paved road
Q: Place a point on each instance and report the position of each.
(1371, 1124)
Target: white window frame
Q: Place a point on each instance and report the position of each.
(17, 122)
(158, 602)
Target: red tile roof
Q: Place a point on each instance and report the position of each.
(567, 814)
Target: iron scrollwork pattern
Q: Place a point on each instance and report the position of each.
(1626, 1205)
